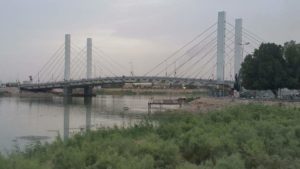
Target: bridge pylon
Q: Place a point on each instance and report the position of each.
(221, 46)
(238, 46)
(89, 55)
(88, 90)
(67, 72)
(67, 57)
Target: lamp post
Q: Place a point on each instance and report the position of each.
(237, 85)
(242, 57)
(243, 46)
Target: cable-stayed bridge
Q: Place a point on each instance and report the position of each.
(213, 57)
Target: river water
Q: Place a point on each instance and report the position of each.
(25, 120)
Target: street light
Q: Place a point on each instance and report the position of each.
(243, 46)
(237, 75)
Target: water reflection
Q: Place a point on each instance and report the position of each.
(22, 118)
(67, 102)
(88, 115)
(88, 109)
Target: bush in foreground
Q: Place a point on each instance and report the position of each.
(242, 137)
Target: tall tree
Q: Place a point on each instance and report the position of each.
(292, 57)
(265, 69)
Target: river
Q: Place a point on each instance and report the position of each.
(23, 121)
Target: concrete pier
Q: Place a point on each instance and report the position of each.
(68, 91)
(88, 91)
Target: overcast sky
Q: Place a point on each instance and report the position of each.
(139, 31)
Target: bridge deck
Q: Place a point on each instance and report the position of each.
(119, 80)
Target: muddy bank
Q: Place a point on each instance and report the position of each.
(205, 104)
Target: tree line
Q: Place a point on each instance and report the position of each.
(272, 67)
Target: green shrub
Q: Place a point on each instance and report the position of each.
(249, 136)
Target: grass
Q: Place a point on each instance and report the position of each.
(240, 137)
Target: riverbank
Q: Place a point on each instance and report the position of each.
(206, 104)
(238, 137)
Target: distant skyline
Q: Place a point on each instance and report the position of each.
(143, 32)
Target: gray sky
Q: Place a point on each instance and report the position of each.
(141, 31)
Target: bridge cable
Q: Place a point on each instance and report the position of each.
(56, 66)
(252, 38)
(101, 64)
(107, 61)
(192, 48)
(95, 59)
(245, 30)
(106, 68)
(208, 70)
(184, 46)
(50, 60)
(111, 58)
(212, 58)
(181, 65)
(189, 51)
(254, 35)
(44, 74)
(195, 74)
(79, 64)
(201, 58)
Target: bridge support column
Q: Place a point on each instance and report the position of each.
(221, 46)
(67, 57)
(238, 46)
(89, 54)
(88, 91)
(67, 91)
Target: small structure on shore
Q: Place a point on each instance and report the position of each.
(162, 102)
